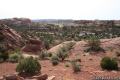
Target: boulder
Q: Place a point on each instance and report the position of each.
(11, 77)
(30, 79)
(51, 78)
(1, 78)
(32, 45)
(41, 77)
(20, 78)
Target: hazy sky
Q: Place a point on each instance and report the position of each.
(60, 9)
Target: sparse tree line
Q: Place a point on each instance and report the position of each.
(55, 33)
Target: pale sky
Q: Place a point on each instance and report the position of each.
(60, 9)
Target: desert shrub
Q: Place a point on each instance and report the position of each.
(75, 66)
(49, 54)
(66, 65)
(70, 45)
(1, 37)
(1, 60)
(62, 54)
(43, 54)
(3, 48)
(118, 54)
(77, 60)
(109, 64)
(17, 50)
(3, 52)
(46, 45)
(4, 56)
(28, 65)
(94, 44)
(15, 57)
(48, 40)
(55, 60)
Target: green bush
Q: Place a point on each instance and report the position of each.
(118, 54)
(62, 54)
(94, 44)
(46, 44)
(43, 54)
(77, 60)
(1, 60)
(49, 54)
(109, 64)
(55, 60)
(15, 57)
(66, 65)
(3, 52)
(75, 66)
(70, 45)
(4, 56)
(28, 65)
(1, 37)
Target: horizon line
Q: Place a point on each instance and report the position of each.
(54, 18)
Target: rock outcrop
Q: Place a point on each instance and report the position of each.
(41, 77)
(10, 37)
(17, 77)
(32, 45)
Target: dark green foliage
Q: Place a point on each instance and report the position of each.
(54, 60)
(77, 60)
(4, 56)
(43, 54)
(47, 39)
(70, 45)
(64, 50)
(118, 54)
(109, 64)
(67, 65)
(15, 57)
(1, 37)
(3, 51)
(46, 44)
(94, 44)
(62, 53)
(49, 54)
(28, 65)
(75, 67)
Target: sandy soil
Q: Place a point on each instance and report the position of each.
(90, 64)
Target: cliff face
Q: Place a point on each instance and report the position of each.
(12, 39)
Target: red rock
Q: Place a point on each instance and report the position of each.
(41, 77)
(12, 39)
(1, 78)
(10, 77)
(32, 45)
